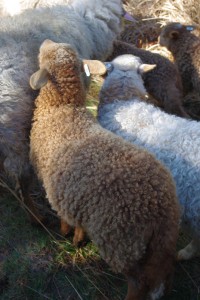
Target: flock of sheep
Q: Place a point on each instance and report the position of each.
(128, 179)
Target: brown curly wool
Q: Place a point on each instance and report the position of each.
(118, 193)
(163, 83)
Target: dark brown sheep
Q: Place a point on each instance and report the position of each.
(185, 48)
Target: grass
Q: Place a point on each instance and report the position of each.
(92, 101)
(36, 265)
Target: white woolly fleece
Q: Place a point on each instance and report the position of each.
(173, 140)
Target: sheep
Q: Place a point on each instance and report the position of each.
(173, 140)
(89, 26)
(17, 6)
(163, 82)
(191, 103)
(99, 183)
(185, 48)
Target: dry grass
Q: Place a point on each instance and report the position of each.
(151, 16)
(166, 10)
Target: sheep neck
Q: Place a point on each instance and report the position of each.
(192, 41)
(122, 90)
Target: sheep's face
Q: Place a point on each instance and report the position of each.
(124, 78)
(173, 32)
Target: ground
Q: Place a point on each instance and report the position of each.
(37, 264)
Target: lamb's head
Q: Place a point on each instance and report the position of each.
(63, 73)
(173, 33)
(124, 79)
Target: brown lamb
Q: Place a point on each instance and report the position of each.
(117, 193)
(163, 83)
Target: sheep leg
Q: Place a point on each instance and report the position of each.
(65, 228)
(79, 235)
(134, 292)
(33, 212)
(190, 251)
(24, 192)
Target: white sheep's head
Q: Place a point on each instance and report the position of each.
(172, 32)
(124, 79)
(59, 63)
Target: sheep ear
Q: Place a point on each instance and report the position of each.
(95, 67)
(39, 79)
(174, 34)
(143, 68)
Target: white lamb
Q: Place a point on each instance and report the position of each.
(173, 140)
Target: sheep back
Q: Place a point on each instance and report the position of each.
(164, 136)
(94, 179)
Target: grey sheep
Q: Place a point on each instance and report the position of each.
(163, 82)
(118, 193)
(173, 140)
(89, 26)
